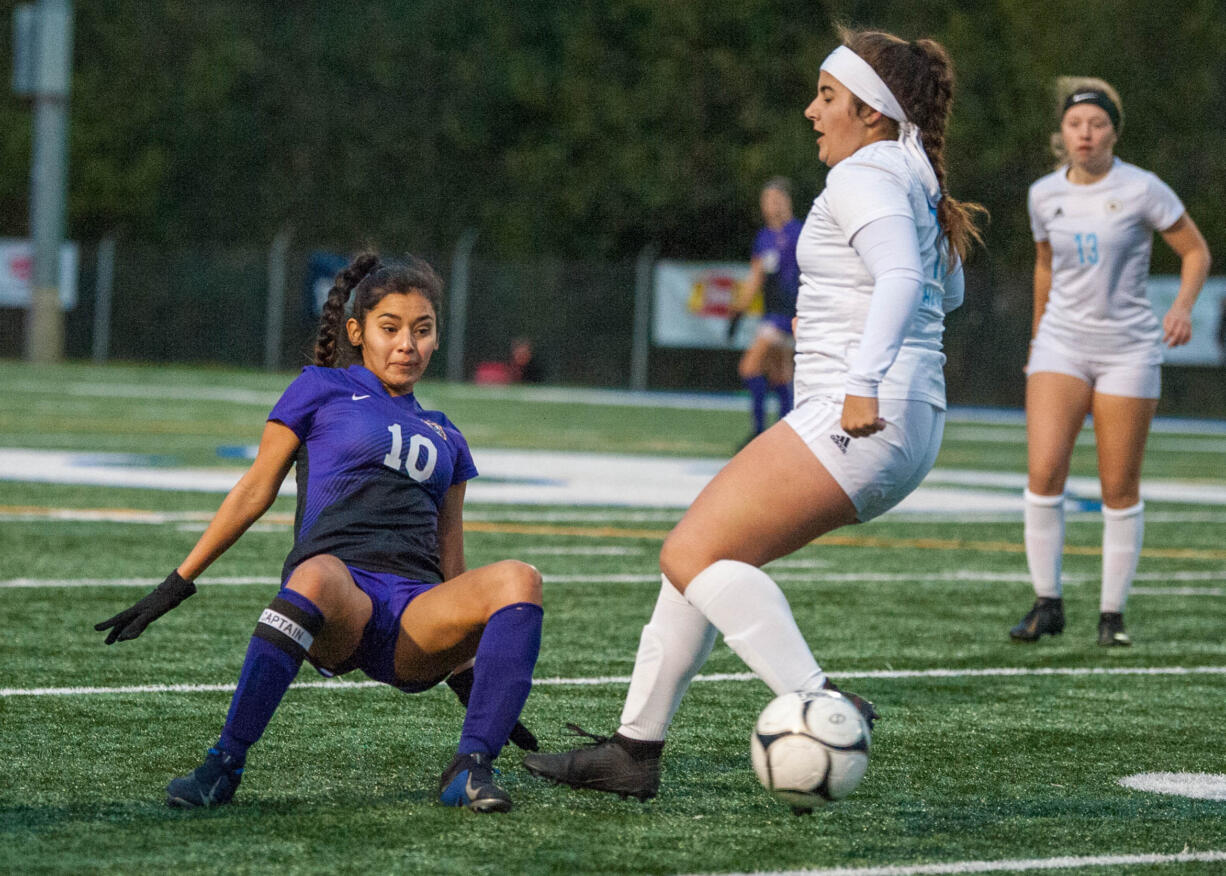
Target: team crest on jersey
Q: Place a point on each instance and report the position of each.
(437, 428)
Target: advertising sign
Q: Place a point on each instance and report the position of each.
(1208, 344)
(692, 305)
(17, 271)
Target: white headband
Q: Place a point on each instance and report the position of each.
(858, 76)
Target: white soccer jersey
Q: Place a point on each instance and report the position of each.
(1101, 238)
(835, 286)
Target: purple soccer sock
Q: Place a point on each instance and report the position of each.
(783, 392)
(757, 387)
(502, 677)
(280, 642)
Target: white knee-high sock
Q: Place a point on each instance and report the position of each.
(753, 614)
(674, 645)
(1123, 532)
(1043, 532)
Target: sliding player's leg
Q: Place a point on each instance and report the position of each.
(320, 610)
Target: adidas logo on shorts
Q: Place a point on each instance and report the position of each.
(841, 442)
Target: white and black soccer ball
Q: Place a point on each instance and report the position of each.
(810, 749)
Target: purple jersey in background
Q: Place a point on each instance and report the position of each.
(372, 472)
(777, 250)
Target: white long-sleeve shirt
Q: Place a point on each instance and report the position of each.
(903, 356)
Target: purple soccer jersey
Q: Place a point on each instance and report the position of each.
(372, 472)
(777, 250)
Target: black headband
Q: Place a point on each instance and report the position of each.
(1099, 99)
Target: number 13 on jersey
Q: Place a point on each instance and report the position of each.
(1087, 248)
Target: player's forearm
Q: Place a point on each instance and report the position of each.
(242, 506)
(1193, 272)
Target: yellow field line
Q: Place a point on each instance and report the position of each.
(931, 544)
(833, 540)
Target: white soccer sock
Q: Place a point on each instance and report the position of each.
(674, 645)
(1123, 532)
(753, 614)
(1043, 532)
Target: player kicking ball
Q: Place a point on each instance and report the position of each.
(880, 260)
(376, 579)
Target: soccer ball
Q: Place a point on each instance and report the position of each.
(810, 749)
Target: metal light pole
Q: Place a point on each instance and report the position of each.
(47, 29)
(457, 303)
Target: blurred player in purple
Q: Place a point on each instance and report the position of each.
(376, 579)
(766, 366)
(1096, 345)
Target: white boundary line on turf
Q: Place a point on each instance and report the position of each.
(1004, 866)
(816, 576)
(601, 681)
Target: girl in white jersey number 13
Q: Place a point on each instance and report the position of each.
(880, 260)
(1097, 344)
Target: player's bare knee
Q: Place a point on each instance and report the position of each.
(518, 582)
(316, 579)
(680, 561)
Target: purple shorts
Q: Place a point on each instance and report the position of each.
(390, 595)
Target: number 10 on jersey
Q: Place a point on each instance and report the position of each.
(417, 468)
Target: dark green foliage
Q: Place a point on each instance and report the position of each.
(572, 128)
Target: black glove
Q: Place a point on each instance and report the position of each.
(131, 622)
(734, 322)
(462, 683)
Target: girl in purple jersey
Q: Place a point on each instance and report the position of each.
(1096, 344)
(377, 579)
(766, 365)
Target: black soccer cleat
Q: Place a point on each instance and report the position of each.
(212, 783)
(1111, 630)
(867, 709)
(604, 764)
(1045, 618)
(468, 781)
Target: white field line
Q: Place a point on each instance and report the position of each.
(556, 395)
(608, 680)
(1163, 444)
(119, 515)
(1018, 865)
(815, 577)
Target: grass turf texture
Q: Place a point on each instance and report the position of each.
(963, 768)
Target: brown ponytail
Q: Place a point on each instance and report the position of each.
(332, 318)
(921, 76)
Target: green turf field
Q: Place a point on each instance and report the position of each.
(988, 751)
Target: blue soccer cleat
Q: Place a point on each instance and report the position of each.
(212, 783)
(469, 781)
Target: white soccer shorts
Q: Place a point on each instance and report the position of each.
(1132, 378)
(881, 470)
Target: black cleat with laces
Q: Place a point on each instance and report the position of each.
(1111, 630)
(867, 709)
(212, 783)
(468, 781)
(604, 764)
(1045, 618)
